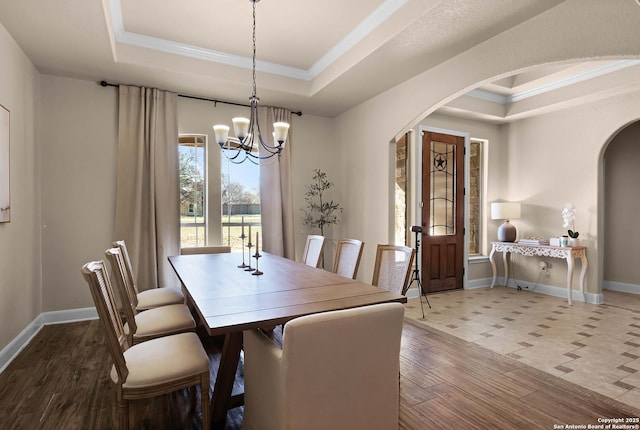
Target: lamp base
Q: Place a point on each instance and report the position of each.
(507, 232)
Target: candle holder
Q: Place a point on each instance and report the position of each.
(243, 237)
(249, 246)
(257, 255)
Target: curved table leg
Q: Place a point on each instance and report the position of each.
(493, 266)
(569, 276)
(583, 274)
(505, 261)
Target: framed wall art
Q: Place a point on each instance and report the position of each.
(5, 206)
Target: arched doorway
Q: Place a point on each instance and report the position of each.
(621, 203)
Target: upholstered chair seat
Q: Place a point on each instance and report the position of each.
(157, 322)
(156, 297)
(166, 359)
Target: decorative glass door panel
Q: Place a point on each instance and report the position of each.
(442, 201)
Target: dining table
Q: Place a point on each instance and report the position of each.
(228, 299)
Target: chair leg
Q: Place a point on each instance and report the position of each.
(123, 413)
(204, 400)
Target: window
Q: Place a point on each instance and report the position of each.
(476, 195)
(401, 190)
(193, 182)
(216, 196)
(240, 202)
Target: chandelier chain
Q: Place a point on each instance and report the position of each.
(254, 48)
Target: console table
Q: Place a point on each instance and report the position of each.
(569, 253)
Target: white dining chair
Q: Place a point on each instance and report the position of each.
(348, 255)
(313, 249)
(392, 268)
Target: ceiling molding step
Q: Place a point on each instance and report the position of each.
(605, 69)
(370, 23)
(488, 96)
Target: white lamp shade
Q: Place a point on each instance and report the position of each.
(505, 210)
(241, 127)
(280, 131)
(222, 133)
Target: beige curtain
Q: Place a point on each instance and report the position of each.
(147, 199)
(276, 195)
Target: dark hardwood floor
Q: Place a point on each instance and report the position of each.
(59, 381)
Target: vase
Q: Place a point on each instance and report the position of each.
(574, 241)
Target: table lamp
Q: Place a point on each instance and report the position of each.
(506, 211)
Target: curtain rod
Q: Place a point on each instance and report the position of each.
(108, 84)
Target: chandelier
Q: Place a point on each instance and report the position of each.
(248, 143)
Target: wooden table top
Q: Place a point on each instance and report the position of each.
(229, 299)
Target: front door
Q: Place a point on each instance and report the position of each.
(442, 211)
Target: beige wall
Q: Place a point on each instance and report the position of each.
(79, 149)
(20, 261)
(316, 147)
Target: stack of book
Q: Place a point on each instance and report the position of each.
(533, 241)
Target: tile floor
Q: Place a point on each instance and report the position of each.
(595, 346)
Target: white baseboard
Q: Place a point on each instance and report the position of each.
(552, 290)
(14, 347)
(621, 286)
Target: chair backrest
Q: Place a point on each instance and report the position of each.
(205, 250)
(312, 255)
(131, 279)
(332, 356)
(126, 294)
(348, 254)
(393, 267)
(98, 279)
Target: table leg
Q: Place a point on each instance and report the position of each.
(583, 273)
(569, 276)
(493, 266)
(221, 398)
(505, 261)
